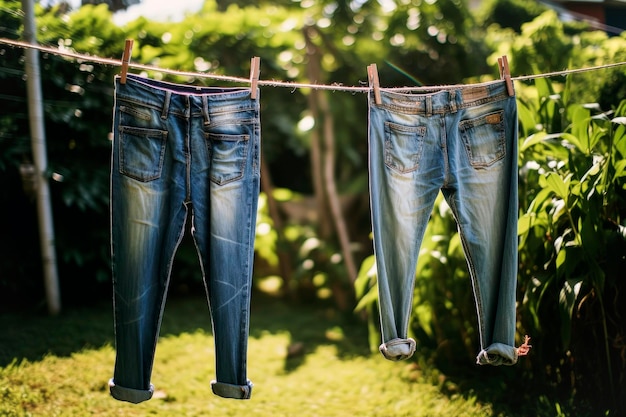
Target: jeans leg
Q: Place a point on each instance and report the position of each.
(405, 167)
(484, 202)
(147, 222)
(225, 189)
(139, 297)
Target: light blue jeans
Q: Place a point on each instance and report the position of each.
(177, 150)
(462, 141)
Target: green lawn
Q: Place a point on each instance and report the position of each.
(59, 366)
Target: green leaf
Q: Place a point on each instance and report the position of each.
(619, 140)
(542, 196)
(595, 168)
(366, 275)
(591, 238)
(557, 184)
(544, 88)
(620, 169)
(545, 137)
(368, 299)
(524, 223)
(454, 247)
(573, 140)
(567, 90)
(621, 109)
(596, 135)
(526, 118)
(620, 120)
(580, 125)
(567, 301)
(533, 140)
(561, 257)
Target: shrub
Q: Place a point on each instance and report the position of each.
(573, 242)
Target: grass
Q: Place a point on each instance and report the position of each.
(59, 366)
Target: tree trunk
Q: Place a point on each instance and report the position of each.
(317, 169)
(323, 154)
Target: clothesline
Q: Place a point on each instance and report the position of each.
(271, 83)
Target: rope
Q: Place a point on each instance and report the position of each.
(271, 83)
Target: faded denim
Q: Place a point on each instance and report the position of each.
(176, 150)
(462, 141)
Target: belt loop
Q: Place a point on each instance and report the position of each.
(166, 105)
(452, 98)
(429, 106)
(205, 110)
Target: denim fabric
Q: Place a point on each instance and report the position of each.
(463, 142)
(177, 150)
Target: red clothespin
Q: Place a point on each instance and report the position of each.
(128, 50)
(505, 74)
(255, 70)
(372, 76)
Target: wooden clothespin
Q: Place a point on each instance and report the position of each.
(255, 71)
(372, 76)
(505, 74)
(128, 50)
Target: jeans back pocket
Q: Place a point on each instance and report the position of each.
(141, 151)
(484, 139)
(403, 146)
(228, 153)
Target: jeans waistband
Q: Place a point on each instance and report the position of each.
(444, 100)
(181, 99)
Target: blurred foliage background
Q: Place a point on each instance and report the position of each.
(313, 239)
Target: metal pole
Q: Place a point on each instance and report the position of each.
(38, 142)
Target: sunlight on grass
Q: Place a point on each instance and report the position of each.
(326, 376)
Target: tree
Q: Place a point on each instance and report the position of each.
(114, 5)
(77, 98)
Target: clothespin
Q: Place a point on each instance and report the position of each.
(128, 50)
(255, 70)
(505, 74)
(372, 76)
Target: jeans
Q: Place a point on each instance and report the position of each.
(177, 150)
(462, 142)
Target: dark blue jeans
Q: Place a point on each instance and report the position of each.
(177, 150)
(462, 142)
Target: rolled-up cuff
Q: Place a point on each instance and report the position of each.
(239, 392)
(398, 349)
(131, 395)
(497, 354)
